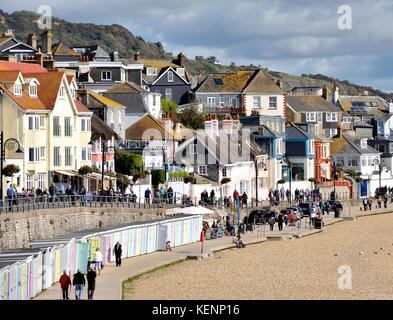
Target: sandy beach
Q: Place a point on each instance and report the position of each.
(305, 268)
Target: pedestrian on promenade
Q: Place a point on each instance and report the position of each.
(79, 282)
(147, 196)
(117, 252)
(10, 196)
(280, 221)
(272, 220)
(91, 283)
(52, 192)
(98, 258)
(365, 204)
(379, 203)
(385, 202)
(370, 203)
(65, 284)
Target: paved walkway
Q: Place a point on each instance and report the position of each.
(109, 283)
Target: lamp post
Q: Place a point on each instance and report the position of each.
(334, 177)
(376, 162)
(290, 165)
(10, 144)
(258, 165)
(104, 149)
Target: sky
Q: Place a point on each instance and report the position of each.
(294, 36)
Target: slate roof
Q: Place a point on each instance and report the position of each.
(99, 127)
(127, 87)
(162, 66)
(104, 101)
(138, 130)
(347, 145)
(292, 131)
(60, 49)
(231, 82)
(374, 106)
(261, 82)
(311, 104)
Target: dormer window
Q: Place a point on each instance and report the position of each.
(18, 89)
(33, 90)
(363, 143)
(151, 71)
(180, 71)
(170, 76)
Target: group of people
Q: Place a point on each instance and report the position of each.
(161, 195)
(79, 280)
(300, 195)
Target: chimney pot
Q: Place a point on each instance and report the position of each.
(136, 56)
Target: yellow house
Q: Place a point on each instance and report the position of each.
(40, 110)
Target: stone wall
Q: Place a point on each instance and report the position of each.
(17, 230)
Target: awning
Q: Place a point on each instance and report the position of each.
(98, 176)
(67, 173)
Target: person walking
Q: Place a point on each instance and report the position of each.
(98, 258)
(280, 221)
(79, 282)
(147, 196)
(272, 220)
(91, 283)
(365, 204)
(10, 196)
(385, 202)
(117, 252)
(370, 203)
(65, 284)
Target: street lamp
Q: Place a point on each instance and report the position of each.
(290, 166)
(334, 176)
(104, 149)
(258, 165)
(10, 144)
(378, 163)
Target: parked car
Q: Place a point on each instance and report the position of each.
(308, 207)
(296, 210)
(334, 203)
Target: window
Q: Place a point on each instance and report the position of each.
(381, 148)
(224, 172)
(193, 149)
(68, 156)
(364, 162)
(243, 186)
(56, 156)
(326, 151)
(311, 146)
(56, 126)
(330, 133)
(202, 170)
(363, 143)
(84, 154)
(33, 123)
(319, 117)
(33, 90)
(316, 129)
(151, 71)
(310, 117)
(256, 102)
(73, 93)
(279, 146)
(170, 76)
(221, 101)
(42, 123)
(42, 153)
(85, 124)
(168, 93)
(346, 119)
(235, 102)
(180, 71)
(106, 75)
(272, 102)
(67, 127)
(34, 154)
(332, 117)
(29, 181)
(352, 162)
(17, 89)
(154, 100)
(211, 101)
(62, 92)
(41, 180)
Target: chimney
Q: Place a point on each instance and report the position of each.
(279, 83)
(136, 56)
(39, 58)
(32, 40)
(8, 33)
(83, 96)
(181, 59)
(335, 94)
(227, 124)
(365, 93)
(46, 41)
(325, 92)
(115, 56)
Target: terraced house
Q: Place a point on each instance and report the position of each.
(40, 109)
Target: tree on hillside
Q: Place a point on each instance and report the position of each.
(128, 163)
(191, 118)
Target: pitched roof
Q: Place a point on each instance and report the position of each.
(100, 127)
(80, 107)
(311, 104)
(9, 75)
(347, 145)
(362, 104)
(22, 67)
(137, 131)
(25, 101)
(261, 82)
(225, 82)
(105, 101)
(60, 49)
(127, 87)
(292, 131)
(49, 86)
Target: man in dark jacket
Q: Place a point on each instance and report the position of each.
(117, 252)
(79, 282)
(280, 221)
(91, 283)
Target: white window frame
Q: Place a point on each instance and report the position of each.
(222, 101)
(275, 103)
(193, 148)
(363, 143)
(36, 154)
(311, 117)
(62, 92)
(33, 90)
(42, 153)
(331, 117)
(170, 76)
(29, 181)
(41, 180)
(311, 146)
(202, 172)
(68, 156)
(18, 89)
(67, 127)
(211, 101)
(106, 75)
(151, 71)
(56, 157)
(319, 117)
(256, 102)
